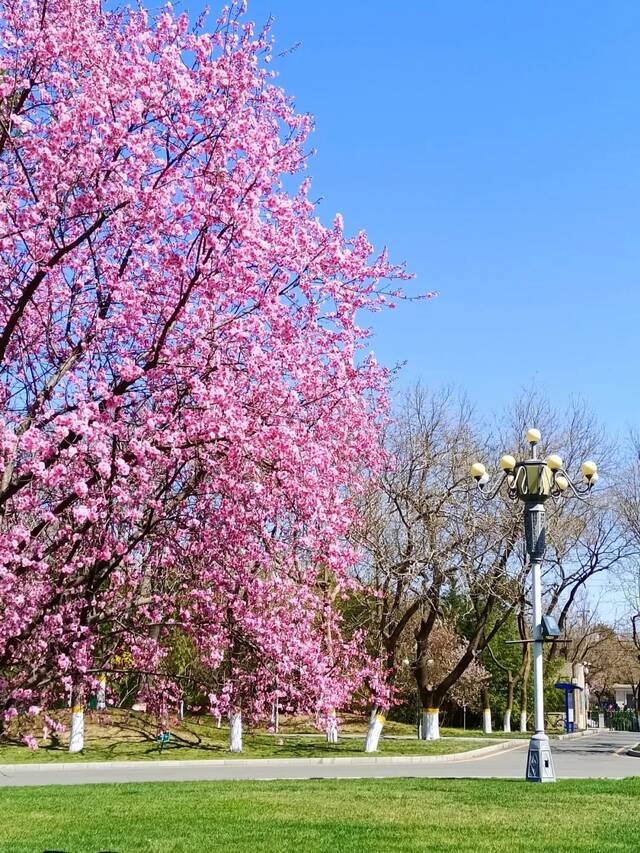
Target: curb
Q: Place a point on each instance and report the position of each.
(62, 767)
(574, 735)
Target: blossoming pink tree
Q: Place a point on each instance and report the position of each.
(186, 405)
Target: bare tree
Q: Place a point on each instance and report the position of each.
(627, 506)
(434, 551)
(427, 546)
(583, 545)
(517, 676)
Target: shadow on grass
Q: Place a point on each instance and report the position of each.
(254, 747)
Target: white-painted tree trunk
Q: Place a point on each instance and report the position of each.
(76, 740)
(101, 695)
(332, 728)
(181, 711)
(431, 724)
(486, 721)
(218, 721)
(523, 721)
(376, 724)
(506, 720)
(235, 731)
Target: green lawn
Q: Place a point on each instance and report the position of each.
(119, 736)
(255, 746)
(352, 724)
(333, 816)
(496, 733)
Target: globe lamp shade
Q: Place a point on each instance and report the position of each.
(507, 462)
(554, 462)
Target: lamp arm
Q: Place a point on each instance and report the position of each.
(489, 496)
(577, 491)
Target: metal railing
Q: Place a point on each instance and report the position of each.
(622, 721)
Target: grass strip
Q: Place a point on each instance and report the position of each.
(368, 816)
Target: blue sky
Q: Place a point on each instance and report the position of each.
(494, 147)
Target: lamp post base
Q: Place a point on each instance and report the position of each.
(539, 760)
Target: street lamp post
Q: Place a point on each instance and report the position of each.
(533, 481)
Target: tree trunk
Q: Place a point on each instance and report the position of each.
(332, 728)
(101, 696)
(76, 739)
(430, 703)
(430, 714)
(376, 724)
(486, 721)
(235, 731)
(524, 686)
(431, 723)
(506, 720)
(144, 686)
(525, 668)
(486, 712)
(523, 702)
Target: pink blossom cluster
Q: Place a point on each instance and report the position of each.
(187, 404)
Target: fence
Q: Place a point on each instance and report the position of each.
(622, 721)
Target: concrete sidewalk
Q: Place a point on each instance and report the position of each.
(62, 773)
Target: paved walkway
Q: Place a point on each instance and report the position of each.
(595, 755)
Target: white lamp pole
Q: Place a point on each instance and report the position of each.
(533, 481)
(539, 761)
